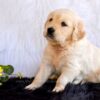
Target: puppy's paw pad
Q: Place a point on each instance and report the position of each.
(30, 87)
(58, 89)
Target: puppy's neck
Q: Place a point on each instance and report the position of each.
(57, 48)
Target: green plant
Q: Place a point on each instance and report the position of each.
(5, 71)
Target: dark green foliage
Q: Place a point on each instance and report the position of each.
(6, 71)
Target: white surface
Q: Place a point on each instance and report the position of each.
(21, 29)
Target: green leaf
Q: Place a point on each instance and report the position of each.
(4, 79)
(1, 66)
(8, 69)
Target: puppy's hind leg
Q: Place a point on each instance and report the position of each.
(41, 77)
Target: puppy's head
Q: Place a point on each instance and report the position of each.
(63, 26)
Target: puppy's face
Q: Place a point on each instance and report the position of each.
(62, 26)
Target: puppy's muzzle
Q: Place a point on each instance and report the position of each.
(50, 32)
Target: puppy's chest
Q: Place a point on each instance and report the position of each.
(58, 60)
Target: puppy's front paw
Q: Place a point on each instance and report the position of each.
(31, 87)
(76, 81)
(58, 88)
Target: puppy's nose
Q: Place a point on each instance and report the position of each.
(50, 32)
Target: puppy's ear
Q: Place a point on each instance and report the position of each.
(78, 31)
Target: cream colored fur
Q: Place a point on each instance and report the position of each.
(69, 54)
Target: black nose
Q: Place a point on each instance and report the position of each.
(50, 32)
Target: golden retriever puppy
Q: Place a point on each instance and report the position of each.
(68, 53)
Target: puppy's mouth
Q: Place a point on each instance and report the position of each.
(50, 37)
(53, 40)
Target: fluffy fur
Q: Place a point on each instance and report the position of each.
(68, 53)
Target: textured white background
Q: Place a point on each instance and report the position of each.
(21, 29)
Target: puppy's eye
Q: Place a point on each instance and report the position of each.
(63, 24)
(50, 19)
